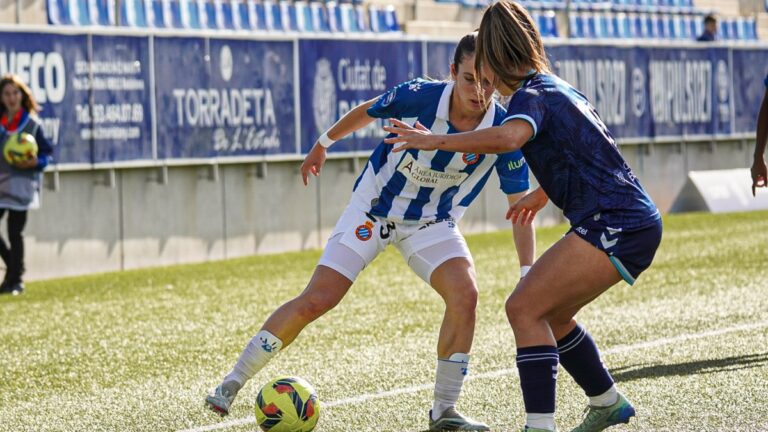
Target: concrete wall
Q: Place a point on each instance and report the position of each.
(98, 221)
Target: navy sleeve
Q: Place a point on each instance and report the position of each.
(44, 150)
(513, 172)
(403, 100)
(528, 105)
(766, 81)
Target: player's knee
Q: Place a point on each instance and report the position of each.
(519, 314)
(313, 306)
(462, 297)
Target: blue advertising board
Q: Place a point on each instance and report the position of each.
(56, 68)
(218, 97)
(750, 69)
(120, 116)
(338, 75)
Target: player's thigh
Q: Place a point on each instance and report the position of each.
(436, 250)
(356, 241)
(454, 280)
(567, 276)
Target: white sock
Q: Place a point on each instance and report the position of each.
(448, 381)
(255, 356)
(540, 421)
(606, 399)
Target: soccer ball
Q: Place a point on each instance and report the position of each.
(287, 404)
(19, 147)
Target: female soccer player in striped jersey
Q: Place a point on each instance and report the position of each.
(615, 227)
(412, 200)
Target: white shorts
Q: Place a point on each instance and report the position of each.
(360, 237)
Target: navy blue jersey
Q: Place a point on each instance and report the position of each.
(575, 158)
(422, 186)
(766, 81)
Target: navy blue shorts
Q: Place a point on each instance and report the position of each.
(631, 252)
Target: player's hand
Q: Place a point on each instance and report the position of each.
(27, 164)
(410, 137)
(526, 208)
(759, 174)
(313, 163)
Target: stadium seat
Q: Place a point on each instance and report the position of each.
(621, 26)
(304, 20)
(208, 18)
(576, 26)
(241, 20)
(102, 12)
(724, 29)
(172, 13)
(257, 15)
(289, 16)
(155, 13)
(189, 13)
(225, 19)
(132, 13)
(273, 16)
(58, 13)
(347, 18)
(319, 17)
(751, 29)
(78, 13)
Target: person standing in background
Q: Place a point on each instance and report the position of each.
(710, 29)
(759, 171)
(19, 182)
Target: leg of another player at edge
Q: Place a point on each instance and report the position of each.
(324, 291)
(454, 280)
(544, 296)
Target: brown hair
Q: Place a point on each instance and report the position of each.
(508, 42)
(27, 100)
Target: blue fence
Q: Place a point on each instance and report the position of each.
(139, 98)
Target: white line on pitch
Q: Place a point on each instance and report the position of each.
(498, 373)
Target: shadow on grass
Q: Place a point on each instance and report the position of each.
(635, 372)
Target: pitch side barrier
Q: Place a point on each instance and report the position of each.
(116, 98)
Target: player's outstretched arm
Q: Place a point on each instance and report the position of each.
(525, 209)
(355, 119)
(524, 236)
(508, 137)
(759, 171)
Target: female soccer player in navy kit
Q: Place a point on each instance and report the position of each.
(616, 228)
(413, 201)
(759, 171)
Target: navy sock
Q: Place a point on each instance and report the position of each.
(581, 359)
(538, 375)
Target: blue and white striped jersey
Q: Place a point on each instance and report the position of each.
(422, 186)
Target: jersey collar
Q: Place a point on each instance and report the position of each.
(444, 106)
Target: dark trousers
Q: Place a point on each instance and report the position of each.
(13, 256)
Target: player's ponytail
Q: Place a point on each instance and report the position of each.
(509, 43)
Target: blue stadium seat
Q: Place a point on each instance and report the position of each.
(78, 13)
(320, 16)
(273, 16)
(207, 14)
(382, 20)
(621, 26)
(304, 21)
(751, 25)
(241, 19)
(288, 15)
(590, 26)
(155, 13)
(102, 12)
(548, 24)
(58, 12)
(733, 29)
(257, 15)
(132, 13)
(172, 13)
(724, 29)
(225, 18)
(576, 26)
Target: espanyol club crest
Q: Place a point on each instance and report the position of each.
(470, 158)
(364, 232)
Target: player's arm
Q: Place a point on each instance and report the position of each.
(352, 121)
(524, 236)
(508, 137)
(759, 171)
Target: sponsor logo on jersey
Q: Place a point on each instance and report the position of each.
(515, 164)
(470, 158)
(389, 97)
(426, 177)
(364, 232)
(581, 230)
(415, 86)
